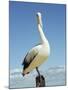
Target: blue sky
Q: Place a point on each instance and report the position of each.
(24, 35)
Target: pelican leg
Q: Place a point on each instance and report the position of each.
(37, 71)
(38, 74)
(40, 80)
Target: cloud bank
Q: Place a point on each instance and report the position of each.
(54, 76)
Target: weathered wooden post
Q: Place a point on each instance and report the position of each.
(40, 81)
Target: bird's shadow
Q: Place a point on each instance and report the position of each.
(6, 87)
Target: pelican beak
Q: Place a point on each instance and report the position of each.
(23, 74)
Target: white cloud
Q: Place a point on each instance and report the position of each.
(56, 69)
(53, 70)
(54, 76)
(15, 70)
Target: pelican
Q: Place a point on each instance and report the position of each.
(38, 54)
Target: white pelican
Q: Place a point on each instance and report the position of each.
(38, 54)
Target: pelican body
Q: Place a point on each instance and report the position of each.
(38, 54)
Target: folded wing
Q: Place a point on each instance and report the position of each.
(30, 56)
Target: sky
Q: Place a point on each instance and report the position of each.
(23, 33)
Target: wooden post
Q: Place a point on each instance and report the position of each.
(40, 81)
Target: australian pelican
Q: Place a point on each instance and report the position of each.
(38, 54)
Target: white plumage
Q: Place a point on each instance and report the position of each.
(38, 54)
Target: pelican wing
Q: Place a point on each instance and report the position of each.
(30, 56)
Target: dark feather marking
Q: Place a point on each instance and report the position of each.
(26, 64)
(24, 59)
